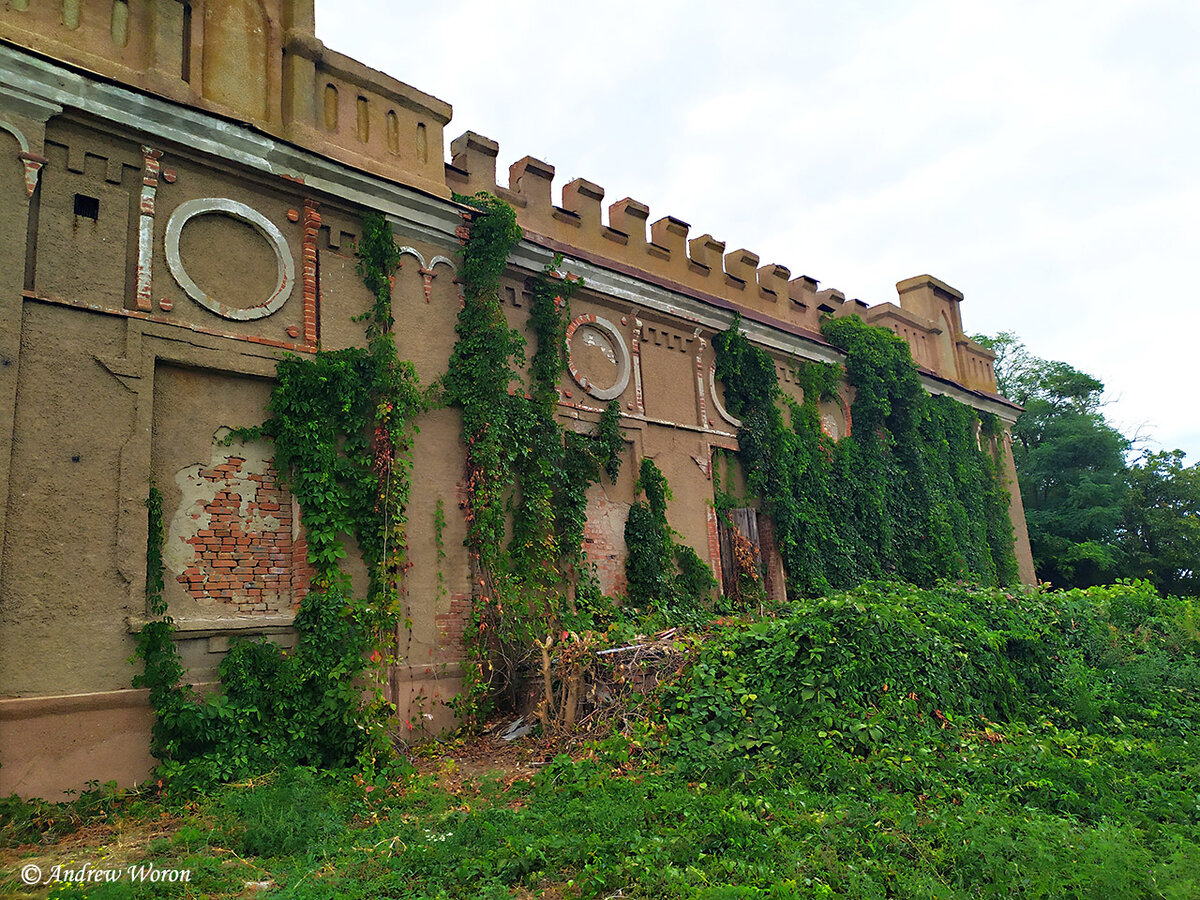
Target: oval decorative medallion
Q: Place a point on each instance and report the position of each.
(223, 206)
(597, 356)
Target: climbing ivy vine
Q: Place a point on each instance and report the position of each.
(342, 424)
(908, 494)
(520, 461)
(662, 575)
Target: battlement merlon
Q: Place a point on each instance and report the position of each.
(930, 297)
(662, 250)
(927, 316)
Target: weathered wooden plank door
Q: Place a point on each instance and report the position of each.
(745, 520)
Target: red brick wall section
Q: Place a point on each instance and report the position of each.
(775, 580)
(451, 625)
(604, 542)
(247, 557)
(714, 543)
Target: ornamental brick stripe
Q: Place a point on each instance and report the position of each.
(151, 159)
(635, 351)
(700, 392)
(312, 227)
(713, 531)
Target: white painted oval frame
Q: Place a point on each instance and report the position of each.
(220, 205)
(624, 363)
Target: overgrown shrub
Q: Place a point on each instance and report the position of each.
(842, 691)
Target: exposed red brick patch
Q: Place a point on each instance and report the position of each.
(604, 542)
(452, 624)
(775, 580)
(250, 556)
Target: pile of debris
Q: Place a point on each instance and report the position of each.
(583, 684)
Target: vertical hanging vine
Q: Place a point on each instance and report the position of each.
(342, 424)
(519, 460)
(908, 494)
(477, 382)
(163, 668)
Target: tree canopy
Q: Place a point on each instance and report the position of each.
(1092, 515)
(1161, 534)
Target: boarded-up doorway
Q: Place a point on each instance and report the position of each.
(737, 530)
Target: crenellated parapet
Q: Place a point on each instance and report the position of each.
(660, 248)
(927, 315)
(260, 62)
(362, 116)
(929, 318)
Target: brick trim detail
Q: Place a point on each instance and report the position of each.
(310, 285)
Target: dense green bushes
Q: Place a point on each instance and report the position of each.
(1083, 704)
(888, 662)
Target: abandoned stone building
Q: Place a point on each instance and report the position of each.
(182, 185)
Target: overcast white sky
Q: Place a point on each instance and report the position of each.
(1043, 158)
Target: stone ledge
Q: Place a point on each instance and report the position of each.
(19, 708)
(196, 627)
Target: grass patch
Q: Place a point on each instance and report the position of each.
(884, 743)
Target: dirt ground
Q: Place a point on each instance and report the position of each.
(114, 845)
(488, 755)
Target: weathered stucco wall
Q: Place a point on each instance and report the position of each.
(158, 259)
(64, 594)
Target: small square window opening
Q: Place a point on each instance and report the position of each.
(88, 207)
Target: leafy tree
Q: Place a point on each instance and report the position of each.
(1161, 535)
(1070, 463)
